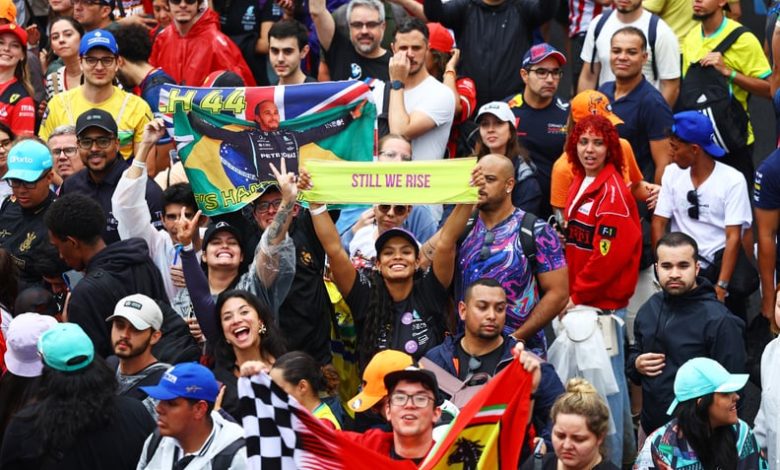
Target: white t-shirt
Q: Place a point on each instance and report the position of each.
(667, 48)
(435, 100)
(723, 201)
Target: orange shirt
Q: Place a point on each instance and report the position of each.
(562, 175)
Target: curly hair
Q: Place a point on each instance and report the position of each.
(134, 43)
(272, 343)
(76, 215)
(601, 126)
(715, 448)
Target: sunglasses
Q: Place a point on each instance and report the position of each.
(484, 252)
(693, 198)
(397, 210)
(188, 2)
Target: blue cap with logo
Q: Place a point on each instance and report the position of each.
(185, 380)
(701, 376)
(66, 347)
(695, 128)
(98, 38)
(28, 161)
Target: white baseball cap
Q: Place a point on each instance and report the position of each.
(141, 311)
(498, 109)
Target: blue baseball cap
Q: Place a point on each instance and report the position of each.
(701, 376)
(66, 347)
(185, 380)
(28, 161)
(695, 128)
(540, 52)
(98, 38)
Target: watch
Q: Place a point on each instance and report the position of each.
(396, 84)
(723, 284)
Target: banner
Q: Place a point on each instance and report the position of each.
(424, 182)
(227, 138)
(490, 430)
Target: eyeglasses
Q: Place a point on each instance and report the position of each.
(68, 151)
(393, 154)
(484, 252)
(263, 207)
(544, 73)
(360, 24)
(106, 61)
(693, 198)
(188, 2)
(419, 400)
(102, 142)
(397, 210)
(15, 183)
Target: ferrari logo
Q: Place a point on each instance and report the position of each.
(604, 247)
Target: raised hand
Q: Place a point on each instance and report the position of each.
(185, 228)
(287, 182)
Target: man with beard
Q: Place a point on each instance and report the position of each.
(361, 55)
(421, 108)
(684, 321)
(135, 328)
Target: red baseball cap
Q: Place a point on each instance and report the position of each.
(16, 30)
(439, 39)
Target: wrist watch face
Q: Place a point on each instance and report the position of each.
(396, 84)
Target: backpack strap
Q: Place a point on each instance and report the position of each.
(527, 240)
(652, 34)
(154, 443)
(596, 32)
(730, 39)
(224, 458)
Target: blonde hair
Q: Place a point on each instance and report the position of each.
(581, 398)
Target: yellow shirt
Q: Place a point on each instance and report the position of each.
(131, 113)
(746, 56)
(323, 411)
(678, 14)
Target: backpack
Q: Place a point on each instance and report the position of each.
(652, 33)
(707, 91)
(527, 240)
(221, 461)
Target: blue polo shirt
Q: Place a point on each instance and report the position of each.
(646, 117)
(766, 185)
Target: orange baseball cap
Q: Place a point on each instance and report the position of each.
(592, 102)
(374, 389)
(8, 11)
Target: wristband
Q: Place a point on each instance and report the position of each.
(319, 210)
(732, 76)
(137, 164)
(188, 247)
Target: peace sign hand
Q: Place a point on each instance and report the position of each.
(288, 184)
(185, 228)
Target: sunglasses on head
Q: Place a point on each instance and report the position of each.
(397, 210)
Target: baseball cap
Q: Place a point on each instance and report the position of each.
(141, 311)
(498, 109)
(540, 52)
(414, 374)
(695, 128)
(16, 30)
(99, 38)
(396, 232)
(439, 39)
(701, 376)
(223, 78)
(219, 227)
(374, 389)
(185, 380)
(96, 117)
(592, 102)
(66, 347)
(22, 356)
(8, 11)
(28, 161)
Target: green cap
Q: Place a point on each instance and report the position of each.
(701, 376)
(66, 347)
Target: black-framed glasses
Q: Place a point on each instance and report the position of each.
(68, 151)
(484, 252)
(106, 61)
(102, 142)
(397, 210)
(360, 24)
(420, 400)
(265, 206)
(16, 183)
(693, 199)
(543, 73)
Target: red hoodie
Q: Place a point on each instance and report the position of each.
(189, 59)
(603, 242)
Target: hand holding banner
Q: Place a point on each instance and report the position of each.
(424, 182)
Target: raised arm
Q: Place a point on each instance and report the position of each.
(323, 22)
(267, 262)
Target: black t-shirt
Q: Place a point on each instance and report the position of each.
(345, 63)
(550, 462)
(418, 320)
(487, 362)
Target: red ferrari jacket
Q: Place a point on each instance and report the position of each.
(603, 242)
(189, 59)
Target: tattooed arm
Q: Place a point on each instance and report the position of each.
(274, 240)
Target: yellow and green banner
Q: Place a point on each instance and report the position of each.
(424, 182)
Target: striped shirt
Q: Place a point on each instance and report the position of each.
(581, 13)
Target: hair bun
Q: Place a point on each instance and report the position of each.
(580, 385)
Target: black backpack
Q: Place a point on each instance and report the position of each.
(707, 91)
(652, 33)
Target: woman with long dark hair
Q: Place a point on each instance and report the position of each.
(394, 307)
(705, 431)
(17, 113)
(65, 35)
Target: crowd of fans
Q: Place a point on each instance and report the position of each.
(623, 247)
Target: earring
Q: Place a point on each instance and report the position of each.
(262, 330)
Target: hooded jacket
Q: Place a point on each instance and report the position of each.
(204, 49)
(694, 324)
(120, 269)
